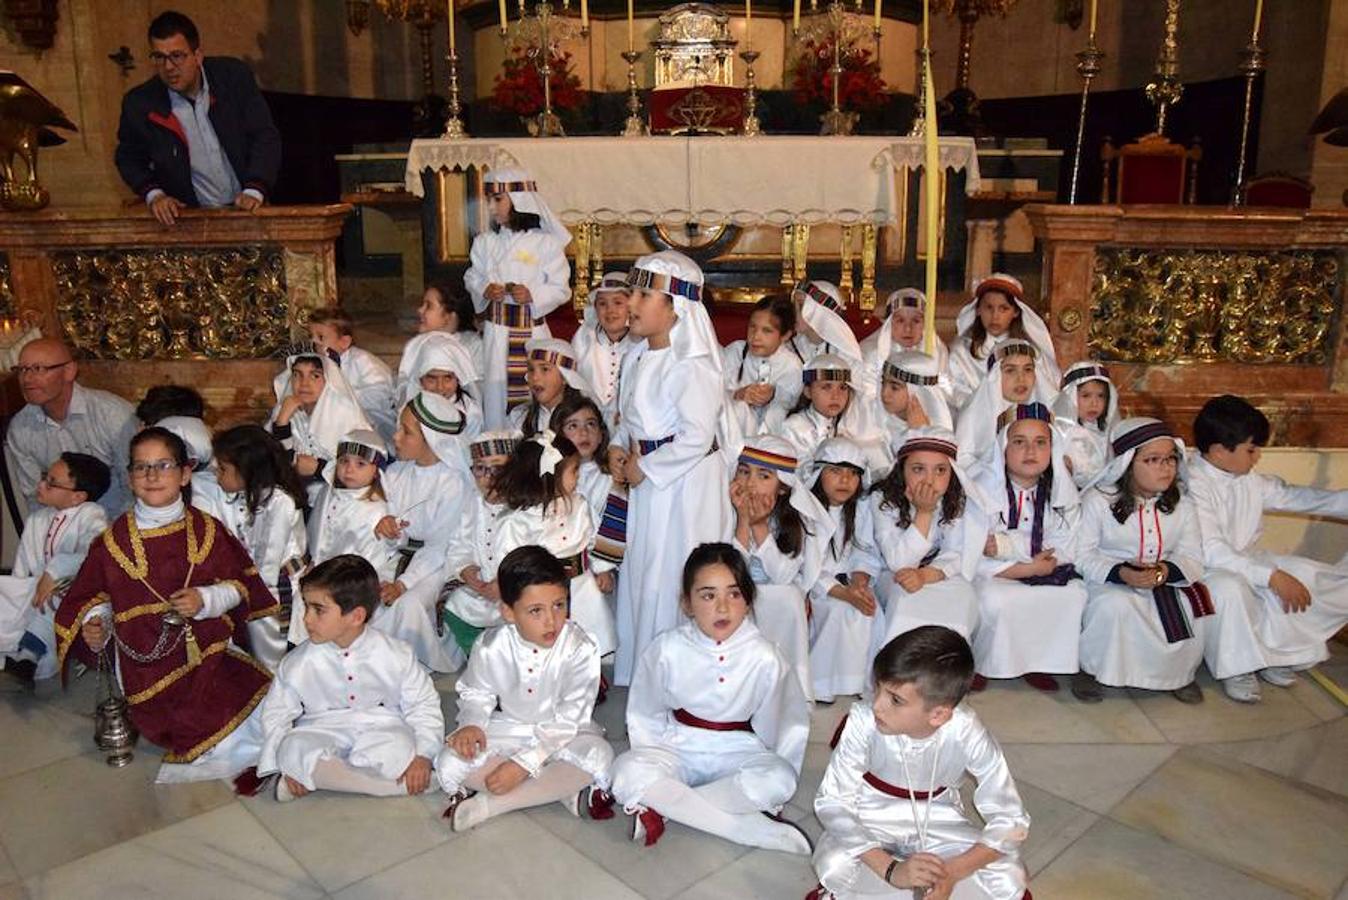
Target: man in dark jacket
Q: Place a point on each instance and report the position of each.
(199, 133)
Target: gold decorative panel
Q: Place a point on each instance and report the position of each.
(1164, 306)
(694, 46)
(175, 303)
(8, 308)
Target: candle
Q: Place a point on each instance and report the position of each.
(631, 28)
(449, 17)
(1094, 9)
(877, 14)
(584, 13)
(566, 4)
(503, 15)
(795, 17)
(926, 22)
(748, 16)
(1258, 19)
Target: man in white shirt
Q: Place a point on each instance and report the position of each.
(63, 416)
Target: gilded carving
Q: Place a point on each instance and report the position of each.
(695, 45)
(1157, 306)
(228, 303)
(8, 308)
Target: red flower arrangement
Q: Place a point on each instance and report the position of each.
(860, 87)
(519, 87)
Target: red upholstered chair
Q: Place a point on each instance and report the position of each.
(1151, 170)
(1279, 189)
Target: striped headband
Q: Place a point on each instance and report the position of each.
(820, 296)
(1017, 348)
(1139, 436)
(362, 451)
(935, 445)
(810, 376)
(669, 284)
(1021, 411)
(893, 372)
(753, 456)
(909, 301)
(309, 348)
(1010, 288)
(560, 360)
(1084, 373)
(513, 187)
(430, 420)
(492, 447)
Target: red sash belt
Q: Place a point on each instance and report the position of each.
(894, 790)
(684, 717)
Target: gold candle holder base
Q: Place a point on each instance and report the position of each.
(635, 126)
(454, 130)
(752, 126)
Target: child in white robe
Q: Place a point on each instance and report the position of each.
(1009, 382)
(603, 339)
(525, 733)
(829, 405)
(1301, 603)
(820, 325)
(56, 537)
(517, 274)
(351, 709)
(996, 313)
(782, 529)
(537, 487)
(444, 366)
(911, 396)
(371, 380)
(894, 821)
(930, 529)
(1087, 407)
(716, 719)
(428, 492)
(1153, 613)
(902, 331)
(1030, 597)
(843, 604)
(665, 446)
(762, 373)
(474, 601)
(443, 312)
(552, 377)
(265, 511)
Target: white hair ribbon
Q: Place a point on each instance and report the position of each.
(551, 456)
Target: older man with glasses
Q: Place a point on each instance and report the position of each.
(61, 416)
(199, 132)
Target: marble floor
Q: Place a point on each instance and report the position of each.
(1138, 797)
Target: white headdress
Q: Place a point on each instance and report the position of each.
(778, 454)
(822, 307)
(921, 374)
(1124, 440)
(446, 352)
(611, 282)
(678, 277)
(337, 410)
(525, 198)
(974, 520)
(562, 355)
(1035, 326)
(442, 423)
(1064, 488)
(980, 415)
(1065, 406)
(838, 451)
(195, 435)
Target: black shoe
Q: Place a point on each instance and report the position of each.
(1191, 693)
(1086, 689)
(22, 673)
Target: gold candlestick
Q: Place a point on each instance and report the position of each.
(1088, 66)
(752, 127)
(454, 130)
(636, 124)
(1164, 89)
(541, 35)
(1251, 66)
(844, 31)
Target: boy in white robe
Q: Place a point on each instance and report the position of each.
(603, 339)
(1302, 602)
(370, 377)
(351, 709)
(890, 803)
(525, 735)
(56, 537)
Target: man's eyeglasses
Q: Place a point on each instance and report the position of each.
(46, 479)
(159, 467)
(177, 57)
(38, 370)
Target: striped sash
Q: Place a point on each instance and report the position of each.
(1168, 607)
(610, 543)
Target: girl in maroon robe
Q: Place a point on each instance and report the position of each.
(189, 686)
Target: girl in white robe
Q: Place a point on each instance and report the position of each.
(998, 312)
(1009, 382)
(347, 512)
(537, 487)
(428, 492)
(715, 717)
(602, 341)
(552, 377)
(829, 406)
(581, 421)
(443, 312)
(820, 326)
(902, 331)
(444, 366)
(930, 529)
(843, 605)
(665, 446)
(762, 373)
(911, 396)
(1030, 597)
(265, 506)
(1087, 407)
(782, 529)
(517, 274)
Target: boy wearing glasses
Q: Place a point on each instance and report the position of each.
(55, 539)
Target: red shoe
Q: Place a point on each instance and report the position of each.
(978, 684)
(601, 804)
(647, 826)
(1042, 682)
(247, 784)
(819, 893)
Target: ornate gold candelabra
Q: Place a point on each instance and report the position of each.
(1164, 89)
(636, 124)
(752, 127)
(541, 35)
(1251, 66)
(1088, 66)
(454, 129)
(844, 31)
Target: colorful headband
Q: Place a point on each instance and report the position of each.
(810, 376)
(430, 420)
(1085, 373)
(818, 295)
(893, 372)
(1139, 436)
(309, 348)
(1017, 348)
(935, 445)
(363, 451)
(755, 457)
(492, 447)
(561, 360)
(669, 284)
(1022, 411)
(1010, 288)
(513, 187)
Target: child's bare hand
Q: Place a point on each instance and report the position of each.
(295, 787)
(1141, 577)
(390, 591)
(494, 291)
(910, 579)
(468, 741)
(472, 576)
(46, 586)
(941, 890)
(632, 473)
(860, 598)
(520, 294)
(759, 394)
(388, 528)
(506, 777)
(491, 590)
(617, 463)
(186, 602)
(289, 406)
(605, 582)
(94, 633)
(1293, 594)
(990, 547)
(306, 465)
(739, 497)
(760, 508)
(1044, 562)
(923, 496)
(919, 870)
(916, 416)
(418, 775)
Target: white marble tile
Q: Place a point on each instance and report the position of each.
(109, 805)
(8, 873)
(1314, 756)
(1218, 718)
(824, 718)
(1054, 825)
(682, 858)
(1311, 695)
(38, 734)
(220, 854)
(510, 856)
(341, 838)
(758, 873)
(1018, 714)
(13, 891)
(1245, 818)
(1095, 776)
(1114, 862)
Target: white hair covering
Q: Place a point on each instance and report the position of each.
(921, 374)
(1077, 374)
(679, 278)
(561, 354)
(779, 455)
(337, 410)
(525, 198)
(1124, 440)
(195, 435)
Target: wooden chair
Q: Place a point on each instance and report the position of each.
(1278, 189)
(1153, 169)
